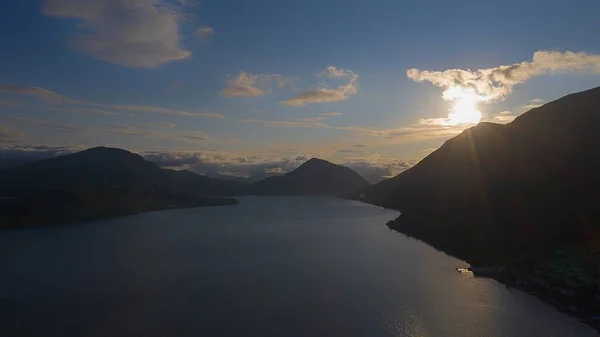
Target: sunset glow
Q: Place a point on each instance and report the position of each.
(464, 110)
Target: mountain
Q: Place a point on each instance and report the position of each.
(100, 182)
(525, 196)
(314, 177)
(101, 166)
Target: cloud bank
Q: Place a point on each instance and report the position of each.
(495, 83)
(132, 33)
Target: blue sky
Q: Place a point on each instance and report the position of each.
(261, 81)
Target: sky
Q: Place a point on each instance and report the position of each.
(246, 86)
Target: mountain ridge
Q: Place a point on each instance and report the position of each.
(314, 177)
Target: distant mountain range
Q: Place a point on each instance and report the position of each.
(105, 181)
(314, 177)
(523, 196)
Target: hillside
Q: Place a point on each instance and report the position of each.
(314, 177)
(101, 166)
(523, 196)
(100, 182)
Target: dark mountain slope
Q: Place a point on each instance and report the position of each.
(523, 196)
(101, 166)
(100, 182)
(525, 185)
(314, 177)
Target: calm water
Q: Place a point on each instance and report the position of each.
(268, 267)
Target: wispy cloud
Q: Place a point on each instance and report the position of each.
(84, 110)
(252, 85)
(410, 133)
(10, 134)
(532, 104)
(321, 117)
(182, 136)
(53, 125)
(74, 105)
(331, 114)
(174, 112)
(133, 33)
(205, 32)
(41, 93)
(495, 83)
(327, 95)
(11, 103)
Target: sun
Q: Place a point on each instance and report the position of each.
(464, 111)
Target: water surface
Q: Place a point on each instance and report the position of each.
(292, 266)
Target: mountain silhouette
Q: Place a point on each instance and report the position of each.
(100, 182)
(102, 166)
(497, 191)
(314, 177)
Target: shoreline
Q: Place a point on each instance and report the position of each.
(506, 274)
(18, 220)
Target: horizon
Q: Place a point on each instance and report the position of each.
(193, 84)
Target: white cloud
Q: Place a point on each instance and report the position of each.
(532, 104)
(205, 32)
(252, 85)
(331, 71)
(326, 95)
(504, 118)
(495, 83)
(133, 33)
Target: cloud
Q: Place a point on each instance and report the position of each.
(13, 155)
(204, 32)
(56, 126)
(331, 114)
(174, 112)
(193, 137)
(174, 159)
(132, 33)
(73, 105)
(326, 95)
(410, 133)
(532, 104)
(11, 103)
(159, 125)
(375, 172)
(504, 118)
(84, 110)
(10, 134)
(332, 71)
(320, 117)
(41, 93)
(252, 85)
(495, 83)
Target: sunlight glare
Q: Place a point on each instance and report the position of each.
(464, 111)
